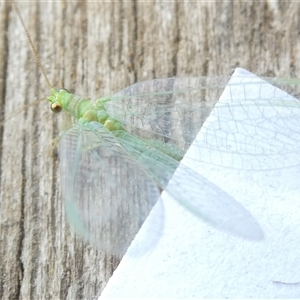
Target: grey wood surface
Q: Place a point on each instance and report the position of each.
(95, 49)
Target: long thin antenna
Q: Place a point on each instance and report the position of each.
(32, 46)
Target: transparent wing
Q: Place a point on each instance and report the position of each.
(107, 194)
(194, 192)
(110, 184)
(172, 111)
(162, 118)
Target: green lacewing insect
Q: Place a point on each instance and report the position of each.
(125, 148)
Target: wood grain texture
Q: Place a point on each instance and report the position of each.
(95, 49)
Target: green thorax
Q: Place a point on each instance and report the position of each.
(84, 109)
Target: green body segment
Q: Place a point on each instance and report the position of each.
(84, 109)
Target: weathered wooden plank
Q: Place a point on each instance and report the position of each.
(94, 49)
